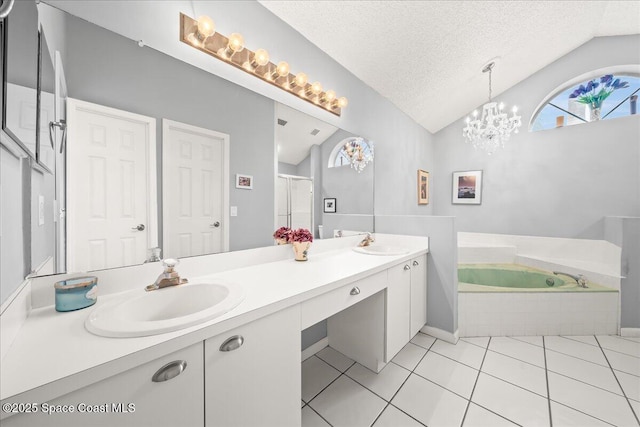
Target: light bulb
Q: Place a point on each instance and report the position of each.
(193, 39)
(316, 88)
(261, 57)
(236, 42)
(282, 69)
(300, 80)
(343, 102)
(206, 26)
(329, 95)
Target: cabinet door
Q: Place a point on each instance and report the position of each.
(398, 308)
(256, 383)
(132, 399)
(418, 293)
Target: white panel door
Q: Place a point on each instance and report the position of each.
(195, 190)
(301, 203)
(111, 191)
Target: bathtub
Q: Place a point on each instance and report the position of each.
(512, 299)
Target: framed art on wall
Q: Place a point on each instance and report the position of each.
(244, 182)
(467, 188)
(423, 187)
(330, 206)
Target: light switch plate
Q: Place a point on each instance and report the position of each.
(234, 211)
(40, 210)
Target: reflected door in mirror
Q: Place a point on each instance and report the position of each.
(193, 183)
(108, 187)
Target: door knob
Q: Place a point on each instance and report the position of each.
(215, 224)
(139, 227)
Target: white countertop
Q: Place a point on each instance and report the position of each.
(54, 354)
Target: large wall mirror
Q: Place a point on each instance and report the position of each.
(110, 73)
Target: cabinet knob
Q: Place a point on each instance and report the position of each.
(169, 371)
(416, 263)
(355, 290)
(406, 267)
(232, 343)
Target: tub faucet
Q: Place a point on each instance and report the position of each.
(169, 277)
(367, 240)
(580, 279)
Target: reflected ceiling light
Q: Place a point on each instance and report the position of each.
(359, 151)
(494, 127)
(201, 34)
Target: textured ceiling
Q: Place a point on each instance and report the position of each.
(295, 138)
(426, 56)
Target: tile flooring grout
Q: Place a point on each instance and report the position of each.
(618, 381)
(469, 400)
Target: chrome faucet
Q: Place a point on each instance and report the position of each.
(169, 277)
(580, 279)
(369, 239)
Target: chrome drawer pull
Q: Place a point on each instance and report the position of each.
(416, 263)
(169, 371)
(406, 267)
(355, 290)
(233, 343)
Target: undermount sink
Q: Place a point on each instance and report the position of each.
(381, 250)
(164, 310)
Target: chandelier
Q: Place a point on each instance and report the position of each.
(493, 128)
(359, 152)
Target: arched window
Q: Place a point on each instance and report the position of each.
(602, 94)
(345, 151)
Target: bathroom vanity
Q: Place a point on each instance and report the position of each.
(241, 368)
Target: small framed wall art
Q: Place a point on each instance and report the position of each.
(330, 206)
(244, 182)
(423, 187)
(467, 188)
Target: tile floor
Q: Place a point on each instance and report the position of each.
(501, 381)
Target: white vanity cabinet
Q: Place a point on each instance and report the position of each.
(406, 306)
(252, 373)
(418, 294)
(132, 398)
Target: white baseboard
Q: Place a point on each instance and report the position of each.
(630, 332)
(314, 348)
(440, 334)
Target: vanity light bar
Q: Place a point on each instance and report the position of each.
(201, 35)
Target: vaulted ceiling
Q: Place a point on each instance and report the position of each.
(426, 56)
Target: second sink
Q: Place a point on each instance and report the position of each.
(381, 250)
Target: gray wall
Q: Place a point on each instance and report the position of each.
(625, 232)
(287, 168)
(558, 182)
(15, 220)
(108, 69)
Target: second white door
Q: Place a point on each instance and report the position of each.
(195, 190)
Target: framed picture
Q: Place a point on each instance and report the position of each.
(467, 188)
(423, 187)
(244, 182)
(330, 206)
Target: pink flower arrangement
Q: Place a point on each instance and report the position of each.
(282, 233)
(300, 235)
